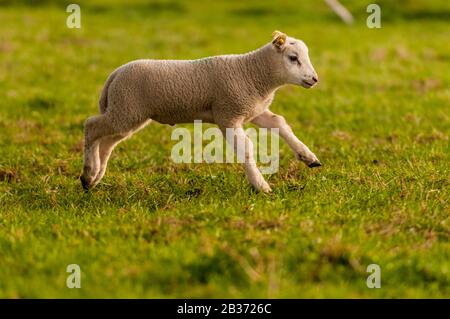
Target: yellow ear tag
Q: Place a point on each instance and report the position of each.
(279, 38)
(280, 41)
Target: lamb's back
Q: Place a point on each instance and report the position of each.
(163, 88)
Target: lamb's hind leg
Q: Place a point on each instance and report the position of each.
(107, 145)
(95, 128)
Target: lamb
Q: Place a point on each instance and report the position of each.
(227, 90)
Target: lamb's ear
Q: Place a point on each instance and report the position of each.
(278, 39)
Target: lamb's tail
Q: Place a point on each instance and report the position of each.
(103, 102)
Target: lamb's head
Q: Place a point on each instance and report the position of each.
(293, 59)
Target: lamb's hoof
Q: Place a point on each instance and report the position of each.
(85, 184)
(265, 189)
(314, 164)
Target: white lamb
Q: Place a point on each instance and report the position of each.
(227, 90)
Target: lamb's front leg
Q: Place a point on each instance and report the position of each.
(243, 147)
(302, 152)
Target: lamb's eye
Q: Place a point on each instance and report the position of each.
(293, 58)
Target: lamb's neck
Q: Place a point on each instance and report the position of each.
(260, 67)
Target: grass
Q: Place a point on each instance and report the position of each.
(378, 121)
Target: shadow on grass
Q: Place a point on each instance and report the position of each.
(158, 193)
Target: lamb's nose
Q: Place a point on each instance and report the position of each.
(315, 79)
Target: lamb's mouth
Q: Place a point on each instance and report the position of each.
(307, 84)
